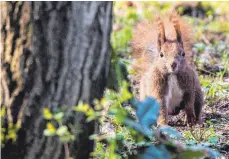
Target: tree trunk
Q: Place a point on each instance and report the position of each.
(53, 54)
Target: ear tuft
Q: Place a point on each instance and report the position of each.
(174, 18)
(161, 32)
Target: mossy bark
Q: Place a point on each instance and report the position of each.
(53, 54)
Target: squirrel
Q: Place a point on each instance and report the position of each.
(164, 63)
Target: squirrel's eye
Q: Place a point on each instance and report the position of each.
(161, 54)
(183, 53)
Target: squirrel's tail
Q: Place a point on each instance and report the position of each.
(145, 38)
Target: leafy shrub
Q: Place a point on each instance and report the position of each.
(139, 138)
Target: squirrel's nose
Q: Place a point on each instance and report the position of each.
(174, 65)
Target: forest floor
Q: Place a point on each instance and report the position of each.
(218, 114)
(215, 118)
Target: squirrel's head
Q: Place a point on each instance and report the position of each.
(170, 52)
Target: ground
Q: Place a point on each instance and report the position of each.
(219, 119)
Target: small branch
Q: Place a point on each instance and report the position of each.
(206, 71)
(222, 105)
(204, 38)
(67, 152)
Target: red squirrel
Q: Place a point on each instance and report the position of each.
(165, 65)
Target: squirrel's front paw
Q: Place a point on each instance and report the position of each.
(190, 119)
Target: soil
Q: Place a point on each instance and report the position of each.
(218, 115)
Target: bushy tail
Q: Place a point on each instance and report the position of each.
(145, 39)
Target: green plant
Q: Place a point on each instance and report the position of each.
(56, 127)
(202, 135)
(9, 131)
(141, 136)
(214, 89)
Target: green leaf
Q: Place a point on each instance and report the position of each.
(167, 130)
(124, 93)
(59, 116)
(138, 127)
(147, 113)
(190, 154)
(50, 129)
(213, 140)
(3, 111)
(82, 107)
(191, 142)
(47, 132)
(62, 130)
(67, 138)
(152, 152)
(93, 137)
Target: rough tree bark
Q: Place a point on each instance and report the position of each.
(53, 54)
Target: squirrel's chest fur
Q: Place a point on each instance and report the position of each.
(174, 93)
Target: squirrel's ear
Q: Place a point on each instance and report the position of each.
(175, 20)
(161, 32)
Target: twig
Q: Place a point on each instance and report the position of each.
(222, 105)
(205, 39)
(66, 149)
(206, 71)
